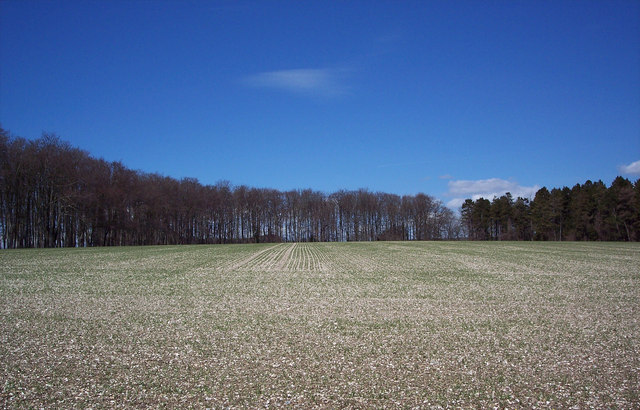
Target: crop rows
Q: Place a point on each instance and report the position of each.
(298, 257)
(307, 257)
(267, 259)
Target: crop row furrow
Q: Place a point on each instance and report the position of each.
(315, 258)
(284, 260)
(232, 263)
(309, 257)
(271, 258)
(292, 264)
(253, 260)
(305, 257)
(327, 263)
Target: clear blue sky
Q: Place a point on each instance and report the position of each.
(450, 98)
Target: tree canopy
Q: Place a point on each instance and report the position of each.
(55, 195)
(590, 211)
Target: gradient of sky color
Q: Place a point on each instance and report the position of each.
(450, 98)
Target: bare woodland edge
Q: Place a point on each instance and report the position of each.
(56, 195)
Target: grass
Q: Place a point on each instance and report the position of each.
(393, 324)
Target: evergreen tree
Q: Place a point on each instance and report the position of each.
(542, 215)
(522, 219)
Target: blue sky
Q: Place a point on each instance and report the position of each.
(450, 98)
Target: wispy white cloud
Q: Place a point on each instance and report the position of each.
(486, 188)
(314, 81)
(631, 169)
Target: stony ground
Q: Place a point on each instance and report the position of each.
(396, 324)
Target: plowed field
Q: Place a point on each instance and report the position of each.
(395, 324)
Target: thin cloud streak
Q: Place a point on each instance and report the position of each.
(315, 81)
(486, 188)
(631, 169)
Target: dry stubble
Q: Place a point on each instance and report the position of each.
(351, 325)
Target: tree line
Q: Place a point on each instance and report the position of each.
(56, 195)
(587, 212)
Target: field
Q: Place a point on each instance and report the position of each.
(394, 324)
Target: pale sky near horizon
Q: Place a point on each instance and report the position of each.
(453, 99)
